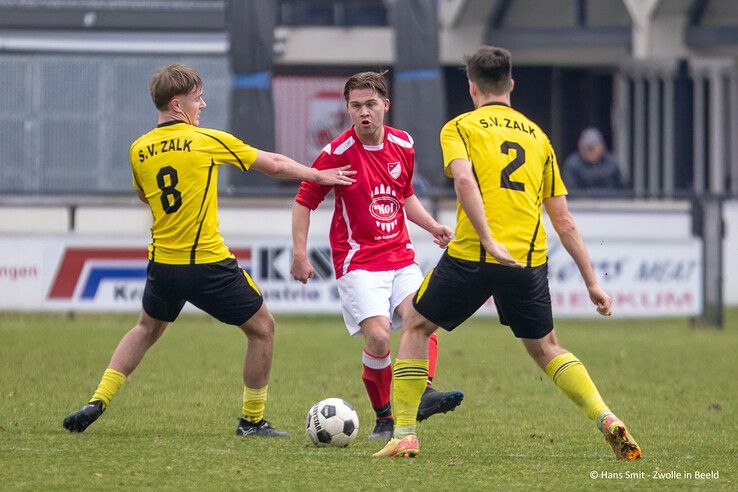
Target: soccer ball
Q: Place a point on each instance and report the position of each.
(332, 422)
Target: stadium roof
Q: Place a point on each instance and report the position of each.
(338, 32)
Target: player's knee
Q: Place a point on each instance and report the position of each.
(418, 324)
(151, 330)
(428, 328)
(262, 328)
(543, 350)
(377, 341)
(536, 352)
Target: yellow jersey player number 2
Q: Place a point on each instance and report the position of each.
(504, 171)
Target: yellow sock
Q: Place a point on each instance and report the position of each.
(109, 385)
(570, 375)
(409, 377)
(254, 402)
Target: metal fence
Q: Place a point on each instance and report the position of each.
(676, 123)
(66, 122)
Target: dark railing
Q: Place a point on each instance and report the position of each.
(332, 13)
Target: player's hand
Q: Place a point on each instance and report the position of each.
(500, 253)
(601, 300)
(336, 176)
(301, 269)
(442, 235)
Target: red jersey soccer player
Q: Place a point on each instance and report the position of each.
(373, 257)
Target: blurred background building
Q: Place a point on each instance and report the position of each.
(657, 77)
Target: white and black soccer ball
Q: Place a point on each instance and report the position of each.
(332, 422)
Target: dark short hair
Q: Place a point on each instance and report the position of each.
(491, 69)
(366, 80)
(172, 80)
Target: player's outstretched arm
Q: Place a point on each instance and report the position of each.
(566, 228)
(467, 190)
(417, 214)
(282, 167)
(301, 269)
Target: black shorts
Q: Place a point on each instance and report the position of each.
(455, 289)
(221, 289)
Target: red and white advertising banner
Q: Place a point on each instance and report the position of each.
(21, 268)
(645, 279)
(309, 113)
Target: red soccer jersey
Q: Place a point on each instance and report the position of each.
(368, 231)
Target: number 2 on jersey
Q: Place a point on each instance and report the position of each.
(505, 181)
(169, 190)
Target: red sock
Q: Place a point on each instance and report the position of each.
(377, 377)
(432, 357)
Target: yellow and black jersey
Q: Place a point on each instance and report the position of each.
(176, 166)
(516, 169)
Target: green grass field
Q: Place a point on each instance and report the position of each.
(172, 424)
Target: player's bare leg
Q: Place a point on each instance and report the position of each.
(377, 373)
(571, 377)
(133, 346)
(543, 350)
(126, 357)
(257, 365)
(416, 330)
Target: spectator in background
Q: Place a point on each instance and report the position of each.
(591, 167)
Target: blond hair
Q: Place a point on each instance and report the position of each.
(172, 80)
